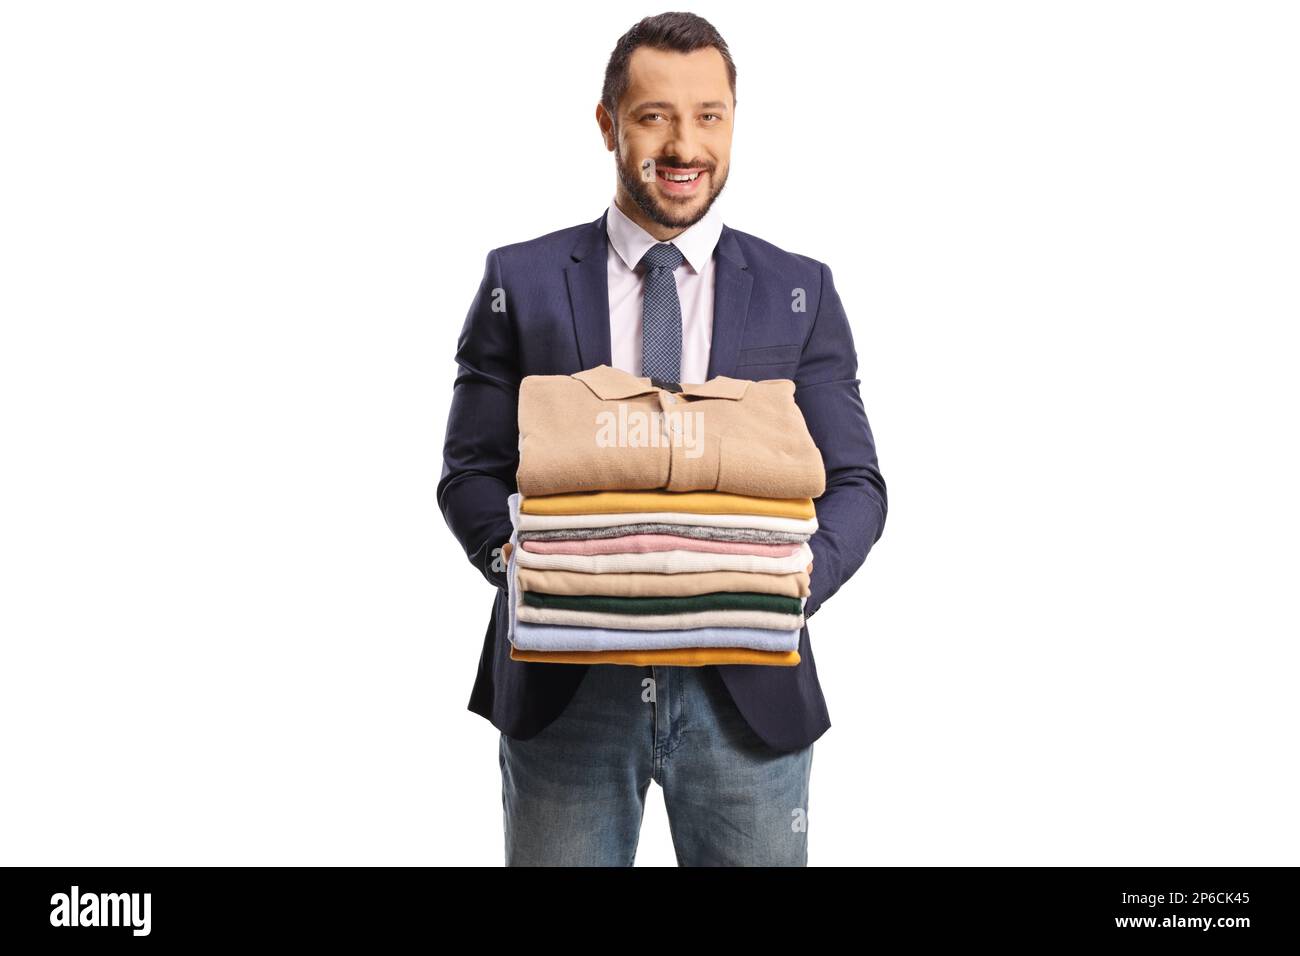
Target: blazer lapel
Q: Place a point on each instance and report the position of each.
(732, 284)
(589, 295)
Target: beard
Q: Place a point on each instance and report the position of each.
(649, 203)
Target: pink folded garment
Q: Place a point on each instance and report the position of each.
(646, 543)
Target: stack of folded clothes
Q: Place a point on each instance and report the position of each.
(660, 525)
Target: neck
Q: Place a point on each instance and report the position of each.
(628, 207)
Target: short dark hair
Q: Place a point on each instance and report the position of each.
(679, 32)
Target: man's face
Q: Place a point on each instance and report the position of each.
(677, 112)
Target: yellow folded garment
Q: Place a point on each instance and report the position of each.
(674, 657)
(689, 502)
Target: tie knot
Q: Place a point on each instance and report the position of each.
(663, 255)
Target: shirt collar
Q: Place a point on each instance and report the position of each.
(609, 384)
(696, 244)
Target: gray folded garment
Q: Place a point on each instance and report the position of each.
(702, 532)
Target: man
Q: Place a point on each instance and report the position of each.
(731, 745)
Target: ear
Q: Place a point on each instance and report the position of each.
(606, 124)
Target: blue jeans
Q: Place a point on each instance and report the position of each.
(574, 794)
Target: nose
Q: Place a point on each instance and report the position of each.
(682, 141)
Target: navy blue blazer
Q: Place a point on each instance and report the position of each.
(542, 308)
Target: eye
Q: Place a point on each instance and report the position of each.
(711, 116)
(648, 116)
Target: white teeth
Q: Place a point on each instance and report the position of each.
(681, 177)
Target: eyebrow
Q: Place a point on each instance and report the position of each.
(662, 105)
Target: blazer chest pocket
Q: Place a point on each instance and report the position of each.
(769, 355)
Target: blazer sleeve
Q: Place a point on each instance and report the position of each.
(480, 454)
(851, 511)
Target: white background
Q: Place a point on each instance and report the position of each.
(237, 243)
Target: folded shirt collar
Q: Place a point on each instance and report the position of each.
(609, 383)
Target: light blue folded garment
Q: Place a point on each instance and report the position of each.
(560, 637)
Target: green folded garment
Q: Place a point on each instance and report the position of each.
(713, 601)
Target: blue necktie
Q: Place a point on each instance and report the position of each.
(661, 317)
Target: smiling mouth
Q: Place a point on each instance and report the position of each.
(679, 180)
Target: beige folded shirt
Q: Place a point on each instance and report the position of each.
(606, 430)
(662, 585)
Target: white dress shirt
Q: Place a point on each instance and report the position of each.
(628, 242)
